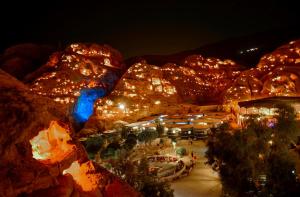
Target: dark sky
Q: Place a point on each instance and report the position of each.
(150, 27)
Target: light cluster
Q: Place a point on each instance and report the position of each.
(80, 66)
(277, 74)
(200, 79)
(147, 89)
(248, 50)
(142, 89)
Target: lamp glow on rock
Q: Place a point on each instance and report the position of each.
(52, 145)
(83, 176)
(121, 106)
(157, 102)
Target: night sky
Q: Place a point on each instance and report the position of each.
(150, 27)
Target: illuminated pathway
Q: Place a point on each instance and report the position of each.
(202, 181)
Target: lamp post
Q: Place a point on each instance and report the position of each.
(174, 146)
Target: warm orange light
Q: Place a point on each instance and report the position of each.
(92, 84)
(82, 174)
(51, 145)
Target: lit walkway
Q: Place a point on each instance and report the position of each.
(202, 181)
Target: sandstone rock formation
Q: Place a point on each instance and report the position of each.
(22, 59)
(141, 91)
(277, 74)
(79, 66)
(39, 155)
(146, 89)
(202, 80)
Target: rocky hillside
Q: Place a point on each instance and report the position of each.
(276, 74)
(39, 155)
(83, 73)
(79, 66)
(22, 59)
(146, 90)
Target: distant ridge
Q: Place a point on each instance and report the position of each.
(232, 48)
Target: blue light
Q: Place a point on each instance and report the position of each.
(84, 106)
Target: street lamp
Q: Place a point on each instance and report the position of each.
(121, 106)
(174, 146)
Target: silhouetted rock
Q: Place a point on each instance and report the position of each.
(37, 149)
(22, 59)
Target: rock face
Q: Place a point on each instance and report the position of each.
(91, 71)
(80, 74)
(144, 88)
(277, 74)
(80, 66)
(23, 116)
(202, 80)
(141, 91)
(147, 89)
(20, 60)
(38, 167)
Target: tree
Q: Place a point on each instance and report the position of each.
(93, 145)
(159, 127)
(137, 175)
(181, 151)
(256, 158)
(112, 150)
(287, 128)
(155, 188)
(282, 174)
(130, 142)
(147, 135)
(124, 168)
(125, 131)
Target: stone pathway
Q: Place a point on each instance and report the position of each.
(202, 181)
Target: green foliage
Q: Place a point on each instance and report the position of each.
(181, 151)
(123, 167)
(125, 131)
(242, 157)
(93, 145)
(282, 179)
(287, 128)
(147, 135)
(111, 151)
(160, 129)
(154, 188)
(130, 142)
(161, 141)
(148, 185)
(137, 175)
(91, 155)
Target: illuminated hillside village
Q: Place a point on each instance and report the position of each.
(87, 92)
(145, 89)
